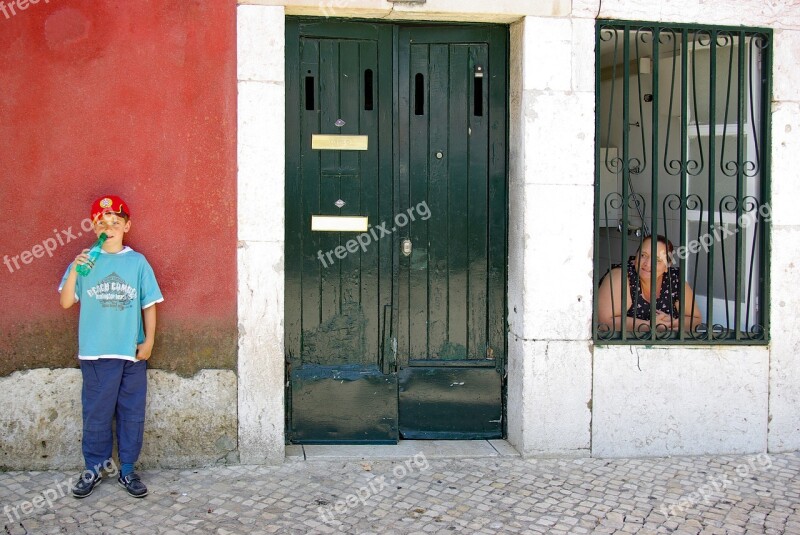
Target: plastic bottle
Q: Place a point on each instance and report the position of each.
(94, 252)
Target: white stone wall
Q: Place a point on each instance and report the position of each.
(504, 11)
(719, 380)
(679, 400)
(662, 401)
(550, 248)
(784, 400)
(784, 384)
(565, 397)
(725, 406)
(260, 36)
(189, 421)
(765, 13)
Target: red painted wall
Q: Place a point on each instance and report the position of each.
(135, 98)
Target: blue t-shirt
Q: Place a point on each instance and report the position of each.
(112, 297)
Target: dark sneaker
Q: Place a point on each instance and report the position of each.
(86, 484)
(133, 484)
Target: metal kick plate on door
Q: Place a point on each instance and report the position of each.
(327, 223)
(338, 142)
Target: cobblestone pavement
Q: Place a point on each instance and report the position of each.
(734, 494)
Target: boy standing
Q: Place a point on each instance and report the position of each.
(116, 331)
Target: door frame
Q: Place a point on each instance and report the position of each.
(260, 227)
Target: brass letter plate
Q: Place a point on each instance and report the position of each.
(338, 142)
(333, 223)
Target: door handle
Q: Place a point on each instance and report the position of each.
(406, 247)
(389, 342)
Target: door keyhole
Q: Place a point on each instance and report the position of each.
(407, 247)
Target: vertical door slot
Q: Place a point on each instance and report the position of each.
(419, 94)
(310, 93)
(368, 90)
(477, 92)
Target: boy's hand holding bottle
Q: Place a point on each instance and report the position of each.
(85, 261)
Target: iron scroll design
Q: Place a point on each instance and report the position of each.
(685, 109)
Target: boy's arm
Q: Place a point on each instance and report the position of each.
(144, 349)
(68, 289)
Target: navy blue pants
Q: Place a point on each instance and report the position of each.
(113, 388)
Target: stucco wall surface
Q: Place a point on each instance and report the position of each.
(189, 422)
(135, 99)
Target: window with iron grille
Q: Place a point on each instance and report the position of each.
(682, 122)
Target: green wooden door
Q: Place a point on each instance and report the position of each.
(395, 327)
(338, 301)
(451, 335)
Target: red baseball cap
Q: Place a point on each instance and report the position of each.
(109, 204)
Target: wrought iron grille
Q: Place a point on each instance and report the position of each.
(682, 122)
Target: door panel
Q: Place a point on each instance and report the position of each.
(381, 344)
(448, 169)
(451, 341)
(338, 84)
(454, 403)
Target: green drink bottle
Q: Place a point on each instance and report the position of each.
(94, 252)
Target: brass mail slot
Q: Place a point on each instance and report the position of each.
(338, 142)
(333, 223)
